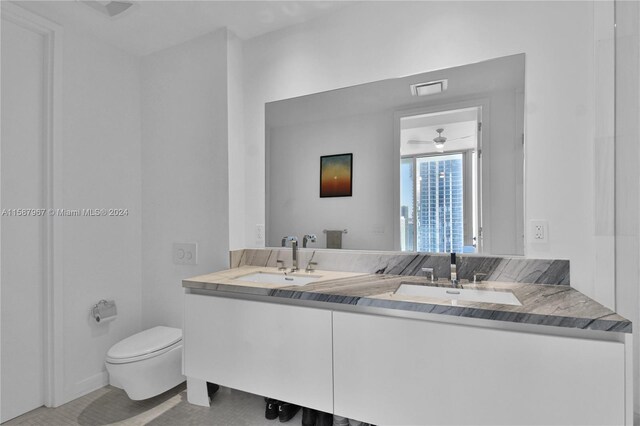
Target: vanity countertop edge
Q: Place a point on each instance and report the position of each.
(547, 305)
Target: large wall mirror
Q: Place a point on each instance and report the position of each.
(436, 163)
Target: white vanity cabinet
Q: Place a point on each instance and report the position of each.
(279, 351)
(403, 371)
(389, 370)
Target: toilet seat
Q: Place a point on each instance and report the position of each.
(146, 344)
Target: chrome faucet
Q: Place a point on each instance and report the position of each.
(430, 272)
(294, 253)
(308, 237)
(454, 274)
(310, 267)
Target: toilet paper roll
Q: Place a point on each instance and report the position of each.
(104, 311)
(101, 320)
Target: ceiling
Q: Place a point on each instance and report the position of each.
(439, 119)
(459, 128)
(154, 25)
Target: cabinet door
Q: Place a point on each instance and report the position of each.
(279, 351)
(400, 371)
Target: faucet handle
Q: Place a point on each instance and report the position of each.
(478, 274)
(308, 237)
(310, 266)
(429, 271)
(280, 264)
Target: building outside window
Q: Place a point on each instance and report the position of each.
(438, 206)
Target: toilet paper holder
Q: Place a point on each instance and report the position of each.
(104, 311)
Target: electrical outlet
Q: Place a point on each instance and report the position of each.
(540, 231)
(259, 233)
(185, 253)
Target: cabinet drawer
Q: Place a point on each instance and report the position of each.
(401, 371)
(280, 351)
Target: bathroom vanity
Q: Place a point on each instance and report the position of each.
(350, 343)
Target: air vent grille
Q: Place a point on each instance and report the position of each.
(429, 88)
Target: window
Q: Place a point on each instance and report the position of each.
(433, 208)
(407, 207)
(439, 203)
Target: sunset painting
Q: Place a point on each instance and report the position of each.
(335, 175)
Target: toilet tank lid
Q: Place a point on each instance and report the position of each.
(145, 342)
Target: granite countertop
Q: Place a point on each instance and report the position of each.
(551, 305)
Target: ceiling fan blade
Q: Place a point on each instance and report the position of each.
(457, 139)
(416, 141)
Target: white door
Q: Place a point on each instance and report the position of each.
(21, 238)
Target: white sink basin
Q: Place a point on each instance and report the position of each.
(271, 278)
(455, 294)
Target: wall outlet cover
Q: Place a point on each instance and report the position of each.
(539, 231)
(259, 233)
(185, 253)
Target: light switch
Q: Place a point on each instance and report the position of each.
(185, 253)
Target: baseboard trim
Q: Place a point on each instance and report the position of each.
(86, 386)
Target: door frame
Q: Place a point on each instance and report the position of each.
(484, 110)
(52, 34)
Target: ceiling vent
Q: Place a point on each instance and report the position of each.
(429, 88)
(110, 9)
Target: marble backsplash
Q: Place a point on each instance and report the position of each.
(495, 268)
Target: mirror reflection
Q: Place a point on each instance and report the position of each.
(435, 163)
(439, 181)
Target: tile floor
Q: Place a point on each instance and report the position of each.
(111, 406)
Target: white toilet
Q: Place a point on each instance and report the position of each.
(147, 363)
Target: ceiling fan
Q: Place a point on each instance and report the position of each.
(439, 140)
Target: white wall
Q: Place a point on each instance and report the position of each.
(502, 171)
(627, 172)
(236, 143)
(376, 40)
(101, 169)
(185, 184)
(295, 205)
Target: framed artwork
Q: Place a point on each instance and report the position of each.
(336, 175)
